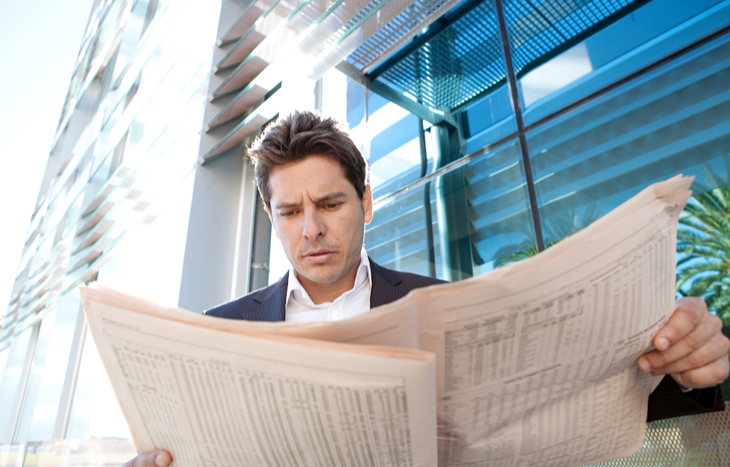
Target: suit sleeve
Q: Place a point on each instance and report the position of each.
(669, 401)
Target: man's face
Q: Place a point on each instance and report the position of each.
(320, 220)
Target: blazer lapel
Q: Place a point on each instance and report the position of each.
(271, 302)
(384, 285)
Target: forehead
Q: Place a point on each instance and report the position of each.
(317, 174)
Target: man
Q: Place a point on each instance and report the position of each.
(312, 179)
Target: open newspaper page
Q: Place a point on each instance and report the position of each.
(216, 397)
(536, 363)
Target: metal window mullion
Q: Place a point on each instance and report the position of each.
(244, 241)
(512, 83)
(63, 417)
(24, 380)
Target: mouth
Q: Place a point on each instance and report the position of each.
(319, 256)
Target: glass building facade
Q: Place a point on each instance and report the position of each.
(494, 128)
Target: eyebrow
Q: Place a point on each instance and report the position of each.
(326, 197)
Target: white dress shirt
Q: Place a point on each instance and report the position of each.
(301, 309)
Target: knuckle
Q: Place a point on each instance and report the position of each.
(719, 373)
(693, 308)
(696, 359)
(714, 322)
(722, 344)
(692, 342)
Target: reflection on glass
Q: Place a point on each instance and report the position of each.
(93, 53)
(488, 120)
(49, 369)
(76, 452)
(39, 362)
(147, 262)
(95, 412)
(499, 215)
(137, 21)
(159, 134)
(3, 360)
(555, 74)
(12, 455)
(397, 238)
(395, 152)
(475, 214)
(10, 383)
(649, 34)
(674, 120)
(355, 103)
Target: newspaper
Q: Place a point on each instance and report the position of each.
(214, 398)
(535, 363)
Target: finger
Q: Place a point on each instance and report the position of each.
(706, 376)
(715, 348)
(690, 352)
(151, 459)
(688, 313)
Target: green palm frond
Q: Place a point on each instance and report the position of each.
(703, 251)
(514, 257)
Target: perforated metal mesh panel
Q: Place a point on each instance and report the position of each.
(466, 59)
(412, 20)
(456, 65)
(538, 29)
(699, 440)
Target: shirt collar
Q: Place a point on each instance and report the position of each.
(363, 273)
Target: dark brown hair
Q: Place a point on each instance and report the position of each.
(302, 134)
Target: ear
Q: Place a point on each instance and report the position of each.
(367, 204)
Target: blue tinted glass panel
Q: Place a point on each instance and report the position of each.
(649, 34)
(395, 149)
(500, 218)
(355, 103)
(476, 213)
(673, 120)
(488, 120)
(397, 237)
(376, 102)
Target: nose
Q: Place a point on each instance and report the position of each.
(313, 225)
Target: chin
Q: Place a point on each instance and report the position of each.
(321, 277)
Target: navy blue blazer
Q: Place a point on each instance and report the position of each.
(268, 304)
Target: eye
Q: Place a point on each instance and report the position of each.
(332, 205)
(286, 213)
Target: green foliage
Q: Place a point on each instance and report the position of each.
(525, 253)
(703, 247)
(565, 224)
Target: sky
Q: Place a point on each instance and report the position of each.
(39, 42)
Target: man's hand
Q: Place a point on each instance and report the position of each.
(151, 459)
(690, 347)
